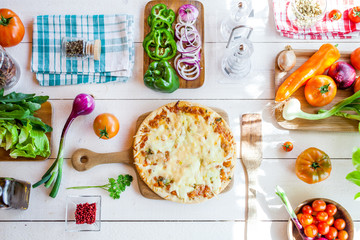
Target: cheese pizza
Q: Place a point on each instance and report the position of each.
(185, 152)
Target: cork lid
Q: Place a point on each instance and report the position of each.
(97, 49)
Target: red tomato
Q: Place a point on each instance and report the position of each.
(339, 224)
(354, 14)
(330, 221)
(333, 232)
(306, 219)
(322, 216)
(12, 29)
(355, 58)
(320, 90)
(357, 84)
(319, 205)
(287, 146)
(335, 15)
(106, 126)
(343, 235)
(307, 209)
(331, 209)
(311, 230)
(323, 228)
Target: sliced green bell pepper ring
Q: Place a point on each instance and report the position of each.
(160, 44)
(161, 24)
(160, 11)
(161, 77)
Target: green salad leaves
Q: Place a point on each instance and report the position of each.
(20, 132)
(354, 176)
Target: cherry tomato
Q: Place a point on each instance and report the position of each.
(319, 205)
(320, 90)
(299, 215)
(355, 58)
(322, 216)
(307, 209)
(335, 15)
(339, 224)
(106, 126)
(331, 209)
(306, 219)
(354, 14)
(311, 230)
(357, 84)
(333, 232)
(330, 221)
(323, 228)
(287, 146)
(343, 235)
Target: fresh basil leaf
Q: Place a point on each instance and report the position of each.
(32, 106)
(354, 177)
(356, 158)
(15, 97)
(38, 99)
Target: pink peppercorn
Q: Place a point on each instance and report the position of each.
(85, 213)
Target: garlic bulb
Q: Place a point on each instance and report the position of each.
(287, 59)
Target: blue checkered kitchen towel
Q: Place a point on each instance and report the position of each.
(117, 49)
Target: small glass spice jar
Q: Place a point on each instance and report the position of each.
(9, 70)
(74, 47)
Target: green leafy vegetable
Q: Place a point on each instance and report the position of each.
(114, 187)
(354, 176)
(21, 132)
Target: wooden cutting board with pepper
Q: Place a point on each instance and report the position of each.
(333, 123)
(199, 24)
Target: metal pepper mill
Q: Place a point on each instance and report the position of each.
(14, 194)
(237, 62)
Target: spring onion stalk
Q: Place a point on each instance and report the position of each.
(281, 193)
(83, 104)
(292, 109)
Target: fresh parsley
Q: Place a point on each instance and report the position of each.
(115, 186)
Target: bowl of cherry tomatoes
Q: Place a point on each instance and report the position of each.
(322, 219)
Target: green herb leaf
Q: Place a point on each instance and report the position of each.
(354, 177)
(356, 158)
(357, 196)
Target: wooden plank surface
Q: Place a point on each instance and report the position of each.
(199, 24)
(45, 114)
(333, 124)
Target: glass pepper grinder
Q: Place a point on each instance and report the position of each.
(74, 47)
(236, 62)
(14, 194)
(239, 13)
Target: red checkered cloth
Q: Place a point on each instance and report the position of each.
(325, 29)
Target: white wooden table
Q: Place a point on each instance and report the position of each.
(135, 217)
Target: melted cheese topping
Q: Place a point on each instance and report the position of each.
(185, 154)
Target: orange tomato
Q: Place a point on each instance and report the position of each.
(355, 58)
(320, 90)
(287, 146)
(357, 85)
(106, 126)
(312, 166)
(12, 29)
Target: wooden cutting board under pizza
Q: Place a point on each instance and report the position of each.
(182, 151)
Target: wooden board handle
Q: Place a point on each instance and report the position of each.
(84, 159)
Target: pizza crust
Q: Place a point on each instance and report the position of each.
(157, 120)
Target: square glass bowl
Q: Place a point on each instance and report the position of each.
(71, 202)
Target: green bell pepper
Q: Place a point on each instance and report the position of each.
(160, 11)
(161, 24)
(161, 77)
(160, 44)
